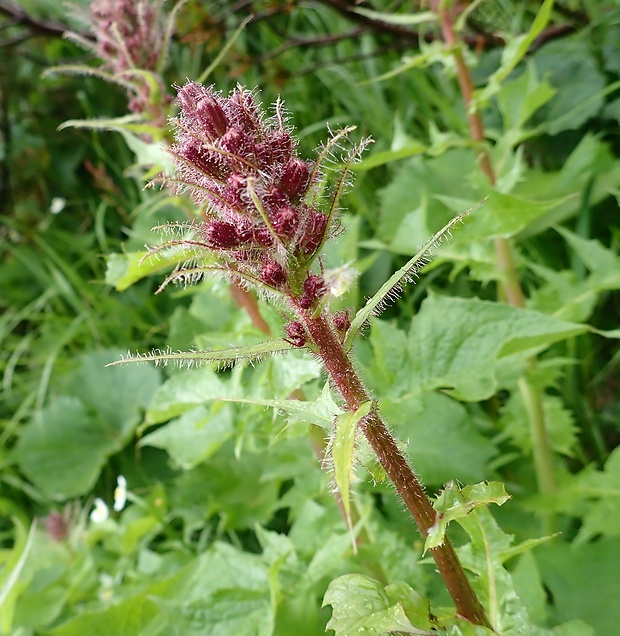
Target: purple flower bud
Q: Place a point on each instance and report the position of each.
(262, 236)
(212, 117)
(342, 321)
(237, 142)
(221, 234)
(281, 145)
(273, 274)
(207, 162)
(188, 97)
(233, 191)
(314, 232)
(294, 179)
(285, 221)
(296, 334)
(314, 286)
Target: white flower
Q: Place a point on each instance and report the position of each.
(120, 493)
(100, 512)
(340, 279)
(57, 205)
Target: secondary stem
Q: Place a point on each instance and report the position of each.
(351, 387)
(511, 286)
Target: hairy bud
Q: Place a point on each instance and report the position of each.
(273, 274)
(221, 234)
(294, 180)
(296, 334)
(212, 116)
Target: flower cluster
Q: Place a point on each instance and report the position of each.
(263, 215)
(131, 38)
(129, 33)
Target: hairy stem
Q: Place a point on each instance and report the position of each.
(510, 285)
(348, 381)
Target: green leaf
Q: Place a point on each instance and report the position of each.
(458, 343)
(184, 391)
(520, 99)
(514, 51)
(226, 612)
(12, 566)
(343, 454)
(388, 156)
(404, 275)
(410, 19)
(221, 357)
(362, 605)
(583, 581)
(456, 503)
(443, 439)
(66, 444)
(123, 270)
(573, 69)
(559, 423)
(194, 436)
(501, 216)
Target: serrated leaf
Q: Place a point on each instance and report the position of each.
(514, 51)
(520, 99)
(566, 572)
(444, 441)
(195, 436)
(184, 391)
(502, 215)
(456, 503)
(226, 612)
(343, 454)
(362, 605)
(66, 444)
(457, 343)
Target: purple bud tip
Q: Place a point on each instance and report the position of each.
(342, 321)
(221, 234)
(294, 179)
(314, 232)
(296, 334)
(314, 286)
(285, 221)
(273, 274)
(212, 117)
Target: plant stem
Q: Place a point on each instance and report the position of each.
(510, 285)
(343, 374)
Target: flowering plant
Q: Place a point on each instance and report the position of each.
(266, 215)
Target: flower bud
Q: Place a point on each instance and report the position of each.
(281, 144)
(212, 117)
(221, 234)
(188, 97)
(294, 179)
(342, 321)
(273, 274)
(237, 142)
(262, 236)
(314, 232)
(285, 221)
(207, 162)
(296, 334)
(314, 286)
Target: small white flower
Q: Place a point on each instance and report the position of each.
(100, 512)
(120, 493)
(57, 205)
(340, 279)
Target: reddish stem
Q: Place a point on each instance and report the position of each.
(347, 380)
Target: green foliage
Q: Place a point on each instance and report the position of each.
(232, 523)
